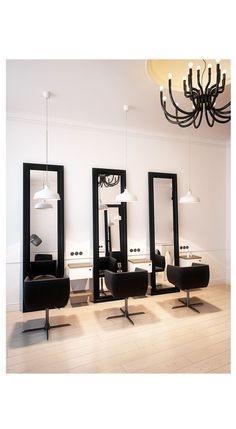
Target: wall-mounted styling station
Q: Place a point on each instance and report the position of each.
(43, 221)
(163, 229)
(109, 228)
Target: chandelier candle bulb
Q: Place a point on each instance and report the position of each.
(161, 88)
(169, 76)
(224, 72)
(209, 66)
(164, 98)
(198, 67)
(190, 66)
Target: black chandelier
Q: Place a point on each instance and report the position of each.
(202, 100)
(108, 180)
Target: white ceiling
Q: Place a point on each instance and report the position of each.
(94, 92)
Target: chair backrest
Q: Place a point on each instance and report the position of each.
(42, 257)
(195, 276)
(38, 268)
(107, 263)
(160, 261)
(46, 293)
(126, 284)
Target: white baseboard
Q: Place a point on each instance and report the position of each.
(13, 307)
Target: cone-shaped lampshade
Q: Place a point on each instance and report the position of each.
(43, 205)
(126, 197)
(189, 198)
(46, 194)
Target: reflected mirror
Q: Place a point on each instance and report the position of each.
(43, 221)
(163, 218)
(109, 228)
(43, 228)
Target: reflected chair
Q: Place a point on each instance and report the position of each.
(159, 263)
(123, 285)
(106, 263)
(46, 293)
(189, 278)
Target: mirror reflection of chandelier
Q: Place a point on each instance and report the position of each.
(108, 181)
(202, 93)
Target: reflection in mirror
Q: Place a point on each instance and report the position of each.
(43, 228)
(109, 219)
(43, 222)
(163, 228)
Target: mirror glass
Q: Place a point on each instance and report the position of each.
(109, 228)
(163, 215)
(43, 222)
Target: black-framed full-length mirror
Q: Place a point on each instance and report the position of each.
(109, 228)
(163, 229)
(43, 220)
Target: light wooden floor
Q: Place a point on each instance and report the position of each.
(161, 341)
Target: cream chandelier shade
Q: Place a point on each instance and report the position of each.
(46, 193)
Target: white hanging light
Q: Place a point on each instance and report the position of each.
(46, 193)
(189, 198)
(43, 205)
(126, 196)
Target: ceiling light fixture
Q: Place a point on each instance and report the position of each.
(189, 198)
(202, 99)
(46, 193)
(126, 196)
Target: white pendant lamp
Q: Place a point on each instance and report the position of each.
(43, 205)
(46, 193)
(189, 198)
(126, 196)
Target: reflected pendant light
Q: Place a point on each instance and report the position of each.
(189, 198)
(126, 196)
(46, 193)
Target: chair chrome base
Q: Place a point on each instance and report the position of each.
(126, 313)
(47, 325)
(186, 303)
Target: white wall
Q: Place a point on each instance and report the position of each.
(202, 226)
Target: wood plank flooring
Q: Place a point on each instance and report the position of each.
(161, 341)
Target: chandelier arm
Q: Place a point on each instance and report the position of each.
(185, 123)
(195, 123)
(163, 105)
(174, 103)
(219, 120)
(222, 115)
(194, 92)
(224, 107)
(210, 123)
(175, 121)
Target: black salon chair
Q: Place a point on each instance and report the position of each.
(123, 285)
(46, 293)
(189, 278)
(43, 291)
(106, 263)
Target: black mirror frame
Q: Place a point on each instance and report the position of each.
(173, 177)
(123, 228)
(27, 168)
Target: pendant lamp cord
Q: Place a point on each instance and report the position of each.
(189, 169)
(203, 70)
(46, 140)
(126, 139)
